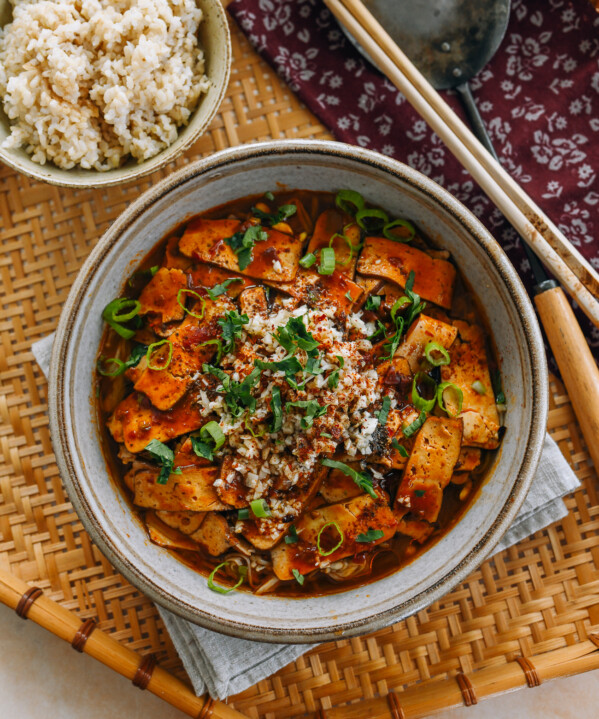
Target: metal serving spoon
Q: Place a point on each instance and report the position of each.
(450, 41)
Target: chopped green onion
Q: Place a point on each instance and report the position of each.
(414, 426)
(339, 543)
(217, 290)
(435, 360)
(384, 411)
(352, 248)
(269, 196)
(221, 590)
(459, 394)
(308, 260)
(326, 435)
(479, 387)
(243, 513)
(193, 293)
(333, 379)
(390, 235)
(276, 406)
(424, 405)
(242, 243)
(260, 508)
(292, 536)
(349, 201)
(497, 389)
(399, 447)
(348, 296)
(152, 348)
(208, 440)
(110, 314)
(120, 366)
(165, 456)
(213, 429)
(372, 219)
(298, 577)
(419, 492)
(327, 261)
(250, 429)
(373, 303)
(371, 536)
(362, 479)
(219, 348)
(273, 218)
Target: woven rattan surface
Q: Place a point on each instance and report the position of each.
(537, 596)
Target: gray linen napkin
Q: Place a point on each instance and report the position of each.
(223, 665)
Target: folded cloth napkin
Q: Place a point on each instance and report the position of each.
(538, 96)
(224, 665)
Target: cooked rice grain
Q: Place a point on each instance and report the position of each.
(90, 82)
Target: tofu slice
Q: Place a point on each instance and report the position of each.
(214, 535)
(173, 259)
(190, 491)
(165, 387)
(338, 487)
(185, 522)
(165, 536)
(265, 533)
(369, 285)
(204, 275)
(252, 302)
(323, 291)
(135, 422)
(159, 296)
(396, 421)
(417, 529)
(354, 516)
(204, 241)
(423, 330)
(434, 279)
(429, 467)
(469, 459)
(329, 223)
(396, 373)
(469, 364)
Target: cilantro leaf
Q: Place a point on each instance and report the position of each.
(294, 336)
(232, 327)
(276, 406)
(373, 303)
(312, 408)
(273, 218)
(238, 395)
(242, 243)
(292, 536)
(217, 290)
(333, 379)
(399, 447)
(371, 536)
(166, 458)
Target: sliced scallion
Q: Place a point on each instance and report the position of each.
(115, 313)
(349, 201)
(119, 369)
(390, 235)
(308, 260)
(260, 508)
(458, 393)
(243, 513)
(399, 447)
(152, 349)
(479, 387)
(193, 293)
(384, 411)
(372, 219)
(221, 590)
(432, 352)
(327, 261)
(422, 404)
(414, 426)
(299, 578)
(322, 552)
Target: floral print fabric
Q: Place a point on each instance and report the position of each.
(539, 98)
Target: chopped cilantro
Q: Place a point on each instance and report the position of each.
(399, 447)
(217, 290)
(362, 479)
(166, 458)
(238, 395)
(273, 218)
(371, 536)
(373, 303)
(242, 243)
(232, 326)
(384, 411)
(292, 536)
(312, 408)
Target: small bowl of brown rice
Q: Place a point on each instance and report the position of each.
(102, 92)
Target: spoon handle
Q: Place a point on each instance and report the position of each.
(476, 121)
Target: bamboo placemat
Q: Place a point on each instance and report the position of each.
(540, 597)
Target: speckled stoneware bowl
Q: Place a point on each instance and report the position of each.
(234, 174)
(214, 39)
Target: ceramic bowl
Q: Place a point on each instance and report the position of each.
(215, 40)
(233, 174)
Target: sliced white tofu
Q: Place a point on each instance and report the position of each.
(469, 369)
(430, 467)
(354, 517)
(423, 330)
(190, 491)
(186, 522)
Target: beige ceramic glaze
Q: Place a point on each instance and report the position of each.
(229, 175)
(216, 42)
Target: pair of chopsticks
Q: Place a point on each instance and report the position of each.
(576, 363)
(555, 251)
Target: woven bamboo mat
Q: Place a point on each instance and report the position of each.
(540, 595)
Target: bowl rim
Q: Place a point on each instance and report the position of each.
(506, 272)
(96, 178)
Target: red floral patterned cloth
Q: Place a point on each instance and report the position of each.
(539, 97)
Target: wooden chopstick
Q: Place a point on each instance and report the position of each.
(558, 254)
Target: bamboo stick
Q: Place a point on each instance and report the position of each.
(422, 700)
(466, 148)
(101, 646)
